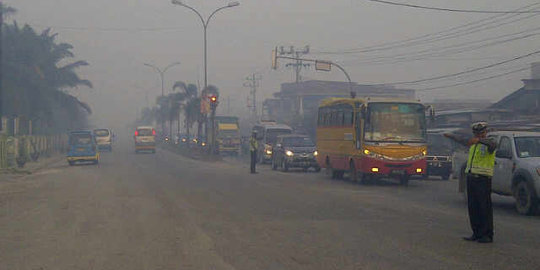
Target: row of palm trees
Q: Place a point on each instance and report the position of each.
(184, 100)
(35, 79)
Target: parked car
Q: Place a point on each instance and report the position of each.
(517, 169)
(103, 138)
(294, 151)
(82, 147)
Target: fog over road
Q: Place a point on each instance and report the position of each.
(165, 211)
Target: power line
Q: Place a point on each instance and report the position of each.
(454, 10)
(449, 50)
(453, 32)
(474, 81)
(464, 72)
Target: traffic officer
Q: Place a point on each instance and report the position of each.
(479, 172)
(253, 147)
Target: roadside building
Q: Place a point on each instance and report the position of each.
(524, 102)
(518, 109)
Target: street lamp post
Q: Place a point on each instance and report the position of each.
(205, 27)
(161, 73)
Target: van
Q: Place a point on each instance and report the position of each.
(103, 138)
(267, 134)
(145, 139)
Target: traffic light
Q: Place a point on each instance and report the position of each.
(213, 102)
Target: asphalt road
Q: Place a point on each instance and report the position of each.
(164, 211)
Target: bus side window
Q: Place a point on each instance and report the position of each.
(358, 129)
(339, 118)
(348, 117)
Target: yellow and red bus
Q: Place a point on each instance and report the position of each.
(372, 138)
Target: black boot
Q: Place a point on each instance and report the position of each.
(485, 239)
(471, 238)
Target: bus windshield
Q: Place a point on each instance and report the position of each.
(395, 122)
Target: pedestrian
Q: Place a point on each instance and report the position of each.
(253, 147)
(479, 172)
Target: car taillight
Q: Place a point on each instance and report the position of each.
(153, 132)
(136, 133)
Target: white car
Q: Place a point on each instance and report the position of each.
(103, 138)
(517, 168)
(145, 139)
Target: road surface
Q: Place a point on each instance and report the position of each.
(165, 211)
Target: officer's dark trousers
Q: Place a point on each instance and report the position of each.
(480, 208)
(253, 160)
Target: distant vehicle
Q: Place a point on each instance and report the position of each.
(294, 151)
(227, 135)
(82, 147)
(439, 154)
(103, 138)
(145, 139)
(372, 138)
(517, 169)
(267, 133)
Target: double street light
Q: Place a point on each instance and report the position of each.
(205, 26)
(205, 23)
(162, 74)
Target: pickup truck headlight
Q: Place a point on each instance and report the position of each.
(316, 153)
(268, 151)
(289, 153)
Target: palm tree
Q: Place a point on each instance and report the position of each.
(191, 106)
(36, 79)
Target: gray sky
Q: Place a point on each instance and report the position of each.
(113, 36)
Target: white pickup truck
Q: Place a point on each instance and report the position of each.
(517, 168)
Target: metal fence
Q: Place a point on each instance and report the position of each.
(18, 150)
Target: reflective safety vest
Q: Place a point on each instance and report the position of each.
(481, 161)
(253, 144)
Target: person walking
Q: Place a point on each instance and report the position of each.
(253, 147)
(479, 172)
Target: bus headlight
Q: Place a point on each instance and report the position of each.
(316, 153)
(289, 153)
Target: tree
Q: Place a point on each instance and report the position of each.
(192, 105)
(35, 79)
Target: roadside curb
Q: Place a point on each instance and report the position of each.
(193, 156)
(33, 166)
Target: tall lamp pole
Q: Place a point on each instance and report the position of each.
(161, 73)
(205, 27)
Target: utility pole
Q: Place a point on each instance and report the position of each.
(228, 105)
(253, 81)
(299, 64)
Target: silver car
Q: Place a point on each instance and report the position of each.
(517, 168)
